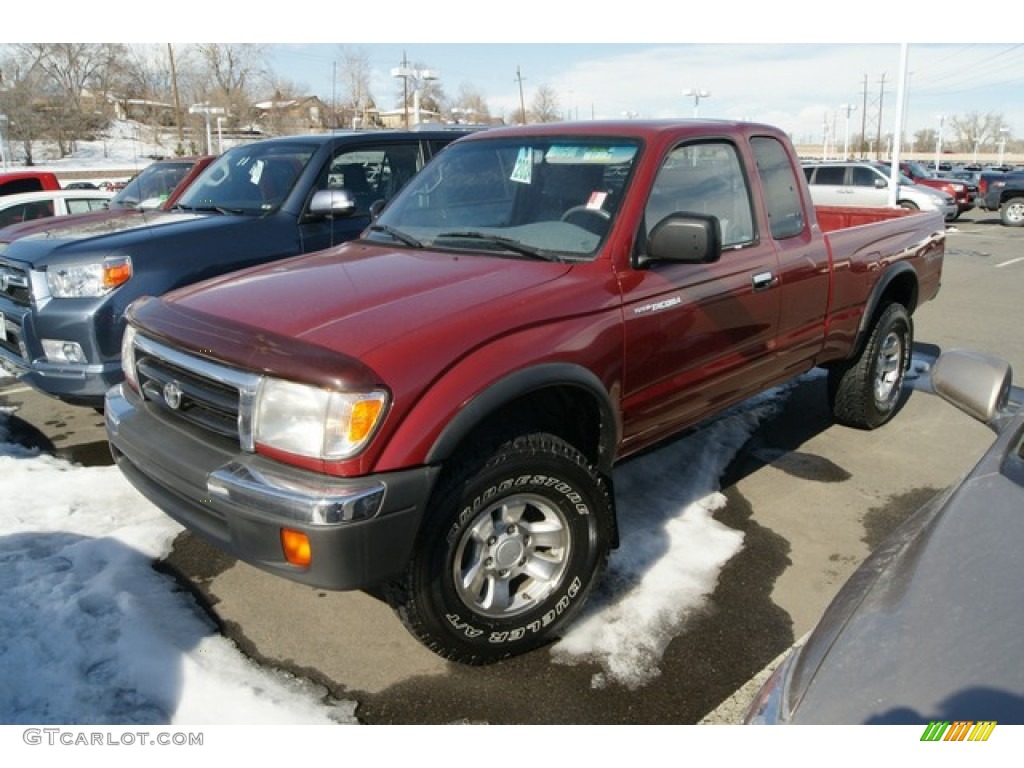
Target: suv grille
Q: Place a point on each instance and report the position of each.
(213, 397)
(14, 284)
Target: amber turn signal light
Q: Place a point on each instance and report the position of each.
(296, 547)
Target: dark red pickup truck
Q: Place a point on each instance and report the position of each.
(437, 407)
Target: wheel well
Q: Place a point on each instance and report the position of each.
(572, 413)
(902, 288)
(566, 411)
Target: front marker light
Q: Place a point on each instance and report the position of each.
(77, 281)
(314, 422)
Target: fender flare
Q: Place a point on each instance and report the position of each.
(875, 300)
(518, 383)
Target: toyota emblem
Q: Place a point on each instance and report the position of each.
(172, 395)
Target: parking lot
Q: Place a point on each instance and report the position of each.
(810, 499)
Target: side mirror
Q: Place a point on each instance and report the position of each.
(976, 383)
(332, 202)
(685, 238)
(881, 184)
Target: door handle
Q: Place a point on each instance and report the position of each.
(763, 280)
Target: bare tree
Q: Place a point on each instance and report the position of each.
(353, 79)
(545, 107)
(471, 105)
(233, 74)
(974, 130)
(78, 82)
(20, 87)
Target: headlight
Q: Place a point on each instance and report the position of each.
(76, 281)
(314, 422)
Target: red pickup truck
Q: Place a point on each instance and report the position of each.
(437, 407)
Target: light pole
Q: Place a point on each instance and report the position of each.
(698, 94)
(3, 140)
(1002, 143)
(418, 76)
(824, 141)
(846, 135)
(938, 141)
(206, 110)
(220, 135)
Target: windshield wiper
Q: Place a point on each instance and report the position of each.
(505, 242)
(397, 234)
(207, 209)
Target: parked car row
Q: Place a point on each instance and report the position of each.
(865, 184)
(158, 185)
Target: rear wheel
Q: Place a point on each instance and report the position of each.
(514, 540)
(865, 390)
(1011, 212)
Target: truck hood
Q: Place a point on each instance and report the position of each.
(361, 302)
(92, 236)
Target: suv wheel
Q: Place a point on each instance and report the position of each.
(1011, 212)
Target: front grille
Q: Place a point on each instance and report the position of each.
(14, 284)
(211, 396)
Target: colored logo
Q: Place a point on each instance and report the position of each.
(959, 730)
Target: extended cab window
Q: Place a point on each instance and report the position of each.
(781, 187)
(704, 178)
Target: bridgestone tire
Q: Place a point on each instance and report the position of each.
(1011, 212)
(512, 545)
(865, 391)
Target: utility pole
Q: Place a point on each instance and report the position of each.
(864, 119)
(522, 104)
(878, 135)
(177, 98)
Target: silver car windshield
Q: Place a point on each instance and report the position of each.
(543, 198)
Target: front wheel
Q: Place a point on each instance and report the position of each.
(512, 545)
(865, 390)
(1011, 212)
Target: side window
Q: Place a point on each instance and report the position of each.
(831, 175)
(704, 178)
(863, 177)
(39, 209)
(85, 205)
(781, 188)
(372, 174)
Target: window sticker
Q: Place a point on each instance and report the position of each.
(602, 155)
(596, 201)
(523, 170)
(256, 172)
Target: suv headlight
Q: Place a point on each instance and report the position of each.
(77, 281)
(314, 422)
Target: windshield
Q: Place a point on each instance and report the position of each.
(919, 171)
(154, 183)
(253, 179)
(553, 197)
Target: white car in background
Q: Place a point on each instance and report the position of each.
(864, 184)
(26, 206)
